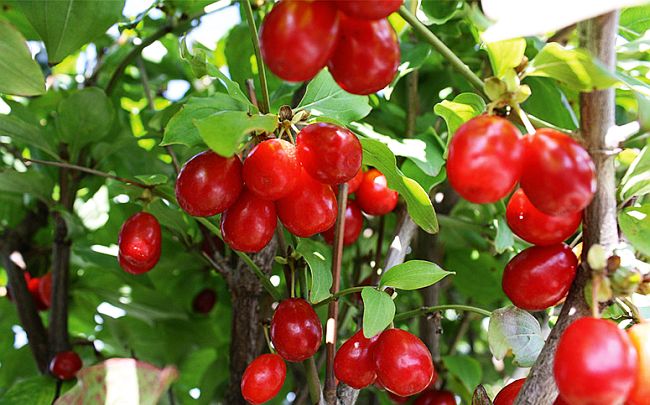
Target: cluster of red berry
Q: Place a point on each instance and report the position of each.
(40, 288)
(352, 37)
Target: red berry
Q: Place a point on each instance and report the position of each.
(353, 225)
(403, 363)
(485, 158)
(296, 331)
(640, 336)
(204, 301)
(270, 169)
(433, 397)
(248, 225)
(208, 184)
(263, 378)
(540, 276)
(65, 365)
(329, 153)
(297, 38)
(397, 399)
(355, 182)
(536, 227)
(558, 175)
(374, 196)
(139, 243)
(368, 10)
(33, 285)
(310, 209)
(366, 56)
(354, 364)
(595, 363)
(45, 289)
(560, 401)
(509, 393)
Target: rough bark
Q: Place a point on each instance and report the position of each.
(597, 116)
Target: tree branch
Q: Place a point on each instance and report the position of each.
(265, 103)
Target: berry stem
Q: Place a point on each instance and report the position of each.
(436, 308)
(261, 69)
(638, 318)
(335, 297)
(524, 119)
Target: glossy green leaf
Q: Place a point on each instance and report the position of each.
(378, 311)
(636, 181)
(634, 22)
(34, 391)
(225, 131)
(635, 224)
(153, 179)
(418, 203)
(513, 330)
(464, 107)
(439, 12)
(506, 55)
(546, 92)
(85, 117)
(466, 369)
(319, 258)
(20, 74)
(504, 239)
(27, 134)
(412, 275)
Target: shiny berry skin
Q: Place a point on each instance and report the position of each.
(368, 10)
(353, 225)
(374, 196)
(65, 365)
(509, 393)
(33, 285)
(558, 174)
(263, 378)
(208, 184)
(366, 56)
(297, 38)
(355, 182)
(536, 227)
(485, 159)
(270, 169)
(296, 331)
(403, 363)
(434, 397)
(540, 276)
(353, 363)
(640, 336)
(45, 289)
(595, 363)
(204, 301)
(329, 153)
(248, 225)
(139, 243)
(560, 401)
(310, 209)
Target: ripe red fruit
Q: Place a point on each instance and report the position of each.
(353, 225)
(560, 401)
(353, 363)
(65, 365)
(403, 363)
(296, 331)
(640, 336)
(297, 38)
(204, 301)
(263, 378)
(355, 182)
(595, 363)
(368, 10)
(329, 153)
(139, 243)
(33, 284)
(509, 393)
(374, 196)
(558, 175)
(45, 289)
(397, 399)
(485, 159)
(270, 169)
(536, 227)
(248, 225)
(366, 56)
(540, 276)
(434, 397)
(310, 209)
(208, 184)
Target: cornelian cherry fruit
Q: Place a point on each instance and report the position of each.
(558, 174)
(353, 363)
(297, 38)
(536, 227)
(329, 153)
(204, 301)
(403, 363)
(296, 331)
(355, 182)
(45, 289)
(65, 365)
(208, 184)
(434, 397)
(485, 159)
(248, 225)
(397, 399)
(374, 196)
(263, 378)
(640, 336)
(368, 10)
(270, 169)
(139, 243)
(595, 363)
(366, 56)
(33, 285)
(353, 225)
(540, 276)
(509, 393)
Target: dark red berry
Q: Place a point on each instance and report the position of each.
(396, 399)
(204, 301)
(296, 331)
(139, 243)
(353, 225)
(354, 364)
(355, 182)
(65, 365)
(45, 289)
(263, 378)
(374, 196)
(434, 397)
(248, 225)
(33, 285)
(368, 10)
(270, 169)
(509, 393)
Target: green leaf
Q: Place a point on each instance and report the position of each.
(20, 74)
(464, 107)
(418, 203)
(85, 117)
(153, 179)
(574, 67)
(324, 97)
(412, 275)
(546, 92)
(378, 311)
(636, 181)
(513, 330)
(33, 391)
(506, 55)
(635, 224)
(319, 258)
(224, 131)
(439, 12)
(466, 369)
(27, 134)
(504, 239)
(29, 182)
(634, 22)
(66, 25)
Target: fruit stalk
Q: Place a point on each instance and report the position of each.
(261, 69)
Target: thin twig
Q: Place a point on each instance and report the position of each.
(265, 103)
(428, 310)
